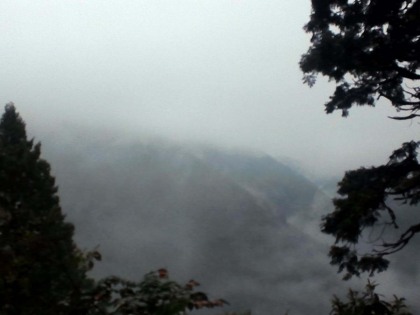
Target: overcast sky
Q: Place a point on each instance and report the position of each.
(224, 71)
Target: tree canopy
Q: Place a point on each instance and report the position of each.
(371, 50)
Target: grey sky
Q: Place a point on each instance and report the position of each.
(224, 71)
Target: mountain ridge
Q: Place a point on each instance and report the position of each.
(219, 216)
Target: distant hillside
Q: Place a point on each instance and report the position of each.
(243, 224)
(284, 190)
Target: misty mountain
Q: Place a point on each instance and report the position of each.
(243, 224)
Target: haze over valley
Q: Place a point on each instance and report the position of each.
(242, 223)
(181, 136)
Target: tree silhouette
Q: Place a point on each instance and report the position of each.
(371, 49)
(41, 271)
(368, 303)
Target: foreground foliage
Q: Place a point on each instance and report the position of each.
(155, 295)
(369, 303)
(371, 49)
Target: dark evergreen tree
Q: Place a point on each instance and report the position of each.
(41, 269)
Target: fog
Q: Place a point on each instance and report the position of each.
(219, 73)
